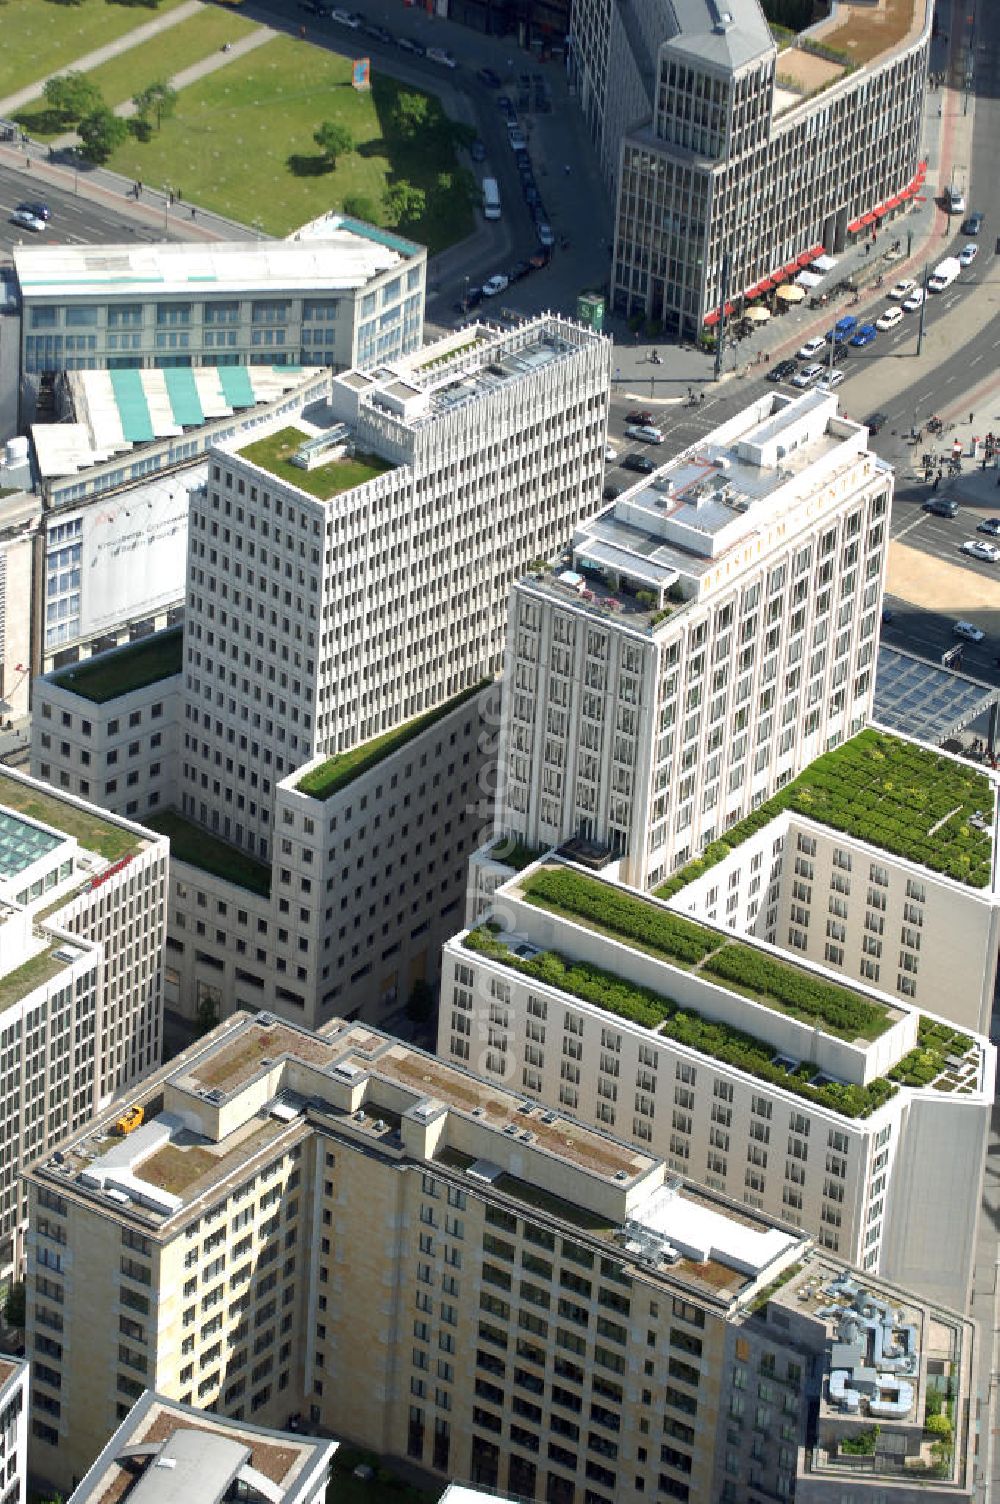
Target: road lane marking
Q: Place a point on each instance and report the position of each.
(909, 527)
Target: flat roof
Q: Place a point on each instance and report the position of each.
(123, 670)
(94, 830)
(22, 843)
(343, 260)
(925, 699)
(726, 33)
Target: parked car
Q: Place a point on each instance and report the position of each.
(867, 334)
(639, 417)
(611, 493)
(832, 379)
(968, 254)
(889, 319)
(610, 453)
(489, 78)
(990, 526)
(544, 232)
(976, 549)
(841, 330)
(811, 348)
(27, 221)
(495, 285)
(640, 462)
(505, 104)
(408, 44)
(915, 301)
(647, 432)
(941, 506)
(539, 260)
(518, 271)
(954, 200)
(377, 33)
(518, 140)
(345, 18)
(969, 631)
(973, 224)
(875, 422)
(440, 55)
(807, 375)
(782, 371)
(902, 289)
(477, 151)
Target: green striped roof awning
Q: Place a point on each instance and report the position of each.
(183, 393)
(236, 386)
(133, 408)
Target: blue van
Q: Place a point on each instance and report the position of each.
(842, 330)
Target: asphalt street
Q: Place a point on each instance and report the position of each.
(75, 220)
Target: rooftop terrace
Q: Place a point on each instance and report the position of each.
(35, 972)
(333, 774)
(897, 795)
(93, 831)
(22, 844)
(199, 848)
(861, 32)
(122, 670)
(327, 479)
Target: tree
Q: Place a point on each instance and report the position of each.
(101, 133)
(208, 1011)
(403, 204)
(334, 140)
(359, 206)
(71, 96)
(411, 115)
(13, 1310)
(158, 99)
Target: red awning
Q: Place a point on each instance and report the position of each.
(896, 200)
(804, 259)
(921, 169)
(881, 210)
(791, 268)
(817, 250)
(854, 225)
(868, 219)
(766, 286)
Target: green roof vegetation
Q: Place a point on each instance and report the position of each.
(766, 979)
(760, 1301)
(515, 854)
(199, 848)
(340, 769)
(92, 832)
(902, 798)
(125, 669)
(929, 1059)
(327, 479)
(24, 979)
(652, 1010)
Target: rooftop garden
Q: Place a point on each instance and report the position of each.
(905, 799)
(125, 669)
(938, 1045)
(766, 979)
(327, 479)
(865, 33)
(173, 1169)
(24, 979)
(93, 833)
(643, 1006)
(515, 854)
(323, 781)
(199, 848)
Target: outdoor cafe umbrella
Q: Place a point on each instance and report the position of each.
(790, 293)
(758, 314)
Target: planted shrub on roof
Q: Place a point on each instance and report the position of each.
(667, 934)
(799, 992)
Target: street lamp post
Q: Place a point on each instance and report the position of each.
(166, 203)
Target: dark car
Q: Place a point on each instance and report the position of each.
(489, 78)
(39, 210)
(611, 493)
(518, 271)
(540, 259)
(888, 615)
(472, 299)
(973, 224)
(941, 506)
(377, 33)
(639, 418)
(875, 422)
(505, 104)
(782, 371)
(409, 45)
(531, 196)
(477, 151)
(640, 462)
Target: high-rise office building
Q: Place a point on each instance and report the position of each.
(82, 927)
(701, 640)
(14, 1379)
(422, 1262)
(734, 163)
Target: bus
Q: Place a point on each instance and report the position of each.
(491, 199)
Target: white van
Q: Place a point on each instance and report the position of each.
(644, 431)
(491, 199)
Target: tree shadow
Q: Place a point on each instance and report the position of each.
(43, 122)
(370, 148)
(301, 166)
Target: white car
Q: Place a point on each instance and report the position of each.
(27, 220)
(969, 631)
(807, 375)
(811, 347)
(968, 254)
(344, 18)
(438, 55)
(610, 453)
(833, 379)
(889, 319)
(915, 301)
(976, 549)
(902, 289)
(496, 284)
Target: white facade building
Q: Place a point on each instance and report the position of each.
(82, 926)
(705, 638)
(811, 1098)
(14, 1380)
